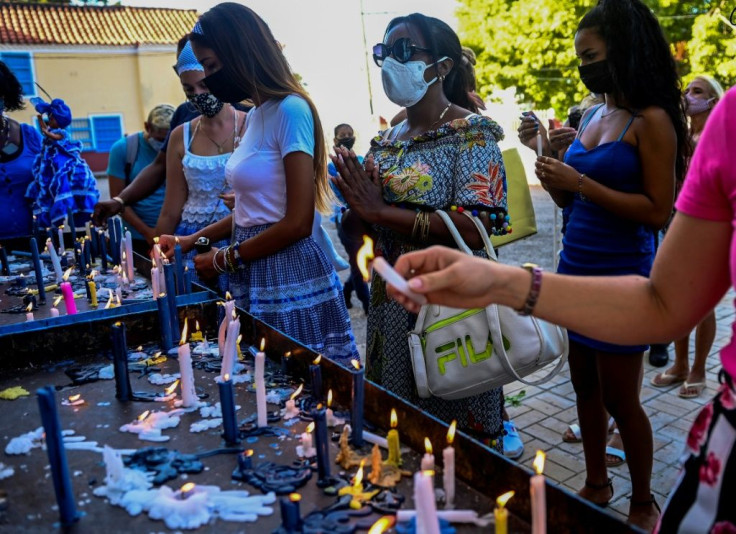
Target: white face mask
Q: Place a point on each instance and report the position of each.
(155, 143)
(404, 83)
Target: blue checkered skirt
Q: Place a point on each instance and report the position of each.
(297, 291)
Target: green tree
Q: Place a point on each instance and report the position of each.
(712, 47)
(528, 44)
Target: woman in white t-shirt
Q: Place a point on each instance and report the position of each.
(278, 172)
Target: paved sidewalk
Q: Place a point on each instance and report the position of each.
(545, 412)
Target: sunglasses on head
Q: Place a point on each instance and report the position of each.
(402, 50)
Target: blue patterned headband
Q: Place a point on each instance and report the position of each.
(198, 29)
(187, 61)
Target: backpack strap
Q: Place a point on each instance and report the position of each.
(131, 153)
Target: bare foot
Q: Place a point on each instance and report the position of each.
(644, 515)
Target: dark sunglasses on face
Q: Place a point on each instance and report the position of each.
(402, 50)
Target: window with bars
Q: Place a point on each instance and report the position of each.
(105, 129)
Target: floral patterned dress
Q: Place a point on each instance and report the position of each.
(458, 166)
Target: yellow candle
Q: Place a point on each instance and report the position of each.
(394, 452)
(92, 293)
(501, 514)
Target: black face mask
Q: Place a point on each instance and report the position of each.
(221, 84)
(207, 104)
(597, 77)
(347, 142)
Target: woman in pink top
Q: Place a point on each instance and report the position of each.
(693, 269)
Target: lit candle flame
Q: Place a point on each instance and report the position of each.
(187, 488)
(382, 525)
(155, 240)
(394, 418)
(196, 324)
(29, 308)
(161, 295)
(57, 300)
(142, 417)
(226, 377)
(248, 453)
(297, 392)
(428, 473)
(237, 341)
(503, 499)
(451, 432)
(295, 497)
(329, 399)
(287, 354)
(310, 427)
(358, 480)
(228, 296)
(169, 390)
(139, 348)
(539, 462)
(67, 274)
(74, 398)
(263, 343)
(184, 333)
(427, 445)
(317, 360)
(356, 364)
(365, 254)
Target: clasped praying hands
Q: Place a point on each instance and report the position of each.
(360, 184)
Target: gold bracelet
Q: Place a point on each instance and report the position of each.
(425, 227)
(417, 221)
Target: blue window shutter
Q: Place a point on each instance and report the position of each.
(81, 130)
(21, 64)
(106, 129)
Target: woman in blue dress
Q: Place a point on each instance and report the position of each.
(19, 146)
(618, 181)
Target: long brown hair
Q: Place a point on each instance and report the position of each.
(245, 46)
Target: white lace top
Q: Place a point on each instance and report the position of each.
(205, 177)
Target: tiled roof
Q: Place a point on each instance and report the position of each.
(36, 24)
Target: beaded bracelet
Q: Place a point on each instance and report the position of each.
(531, 298)
(580, 188)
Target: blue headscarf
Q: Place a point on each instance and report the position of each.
(187, 61)
(57, 108)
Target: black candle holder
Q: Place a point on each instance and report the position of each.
(268, 476)
(164, 463)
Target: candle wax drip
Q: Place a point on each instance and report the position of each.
(84, 374)
(342, 520)
(164, 463)
(280, 479)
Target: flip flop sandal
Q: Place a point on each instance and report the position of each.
(665, 380)
(608, 484)
(618, 454)
(573, 429)
(697, 386)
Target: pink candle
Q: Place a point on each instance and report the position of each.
(539, 501)
(68, 294)
(261, 386)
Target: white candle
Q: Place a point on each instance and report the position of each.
(29, 316)
(427, 463)
(129, 254)
(55, 261)
(261, 387)
(539, 143)
(395, 279)
(424, 501)
(539, 501)
(291, 407)
(188, 391)
(453, 516)
(156, 287)
(119, 294)
(448, 473)
(308, 450)
(61, 240)
(231, 350)
(229, 307)
(54, 312)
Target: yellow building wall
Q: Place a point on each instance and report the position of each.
(97, 83)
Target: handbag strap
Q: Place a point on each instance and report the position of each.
(505, 361)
